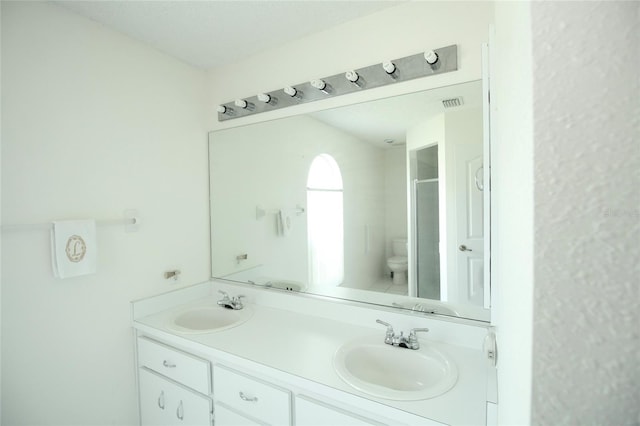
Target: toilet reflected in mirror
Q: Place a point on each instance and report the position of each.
(399, 262)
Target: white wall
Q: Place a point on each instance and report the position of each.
(398, 31)
(512, 208)
(93, 123)
(395, 199)
(130, 121)
(0, 233)
(586, 366)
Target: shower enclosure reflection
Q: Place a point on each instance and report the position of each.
(385, 228)
(427, 223)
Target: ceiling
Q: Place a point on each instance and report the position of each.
(378, 121)
(209, 34)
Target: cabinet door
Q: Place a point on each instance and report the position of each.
(154, 392)
(165, 403)
(227, 417)
(310, 412)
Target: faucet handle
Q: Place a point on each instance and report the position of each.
(389, 326)
(413, 332)
(390, 334)
(225, 295)
(237, 300)
(413, 339)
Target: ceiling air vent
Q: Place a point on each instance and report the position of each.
(452, 103)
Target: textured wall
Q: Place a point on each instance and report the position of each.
(586, 357)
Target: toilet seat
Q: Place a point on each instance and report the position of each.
(398, 260)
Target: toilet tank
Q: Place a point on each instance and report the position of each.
(399, 246)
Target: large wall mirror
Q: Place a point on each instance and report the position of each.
(381, 202)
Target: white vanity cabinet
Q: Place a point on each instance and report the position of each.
(277, 369)
(178, 388)
(174, 386)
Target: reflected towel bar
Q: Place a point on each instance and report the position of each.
(260, 212)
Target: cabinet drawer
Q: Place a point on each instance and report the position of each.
(163, 402)
(263, 401)
(182, 367)
(310, 412)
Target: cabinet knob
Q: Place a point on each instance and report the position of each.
(161, 400)
(168, 364)
(248, 398)
(180, 411)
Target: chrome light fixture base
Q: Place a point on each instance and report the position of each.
(407, 68)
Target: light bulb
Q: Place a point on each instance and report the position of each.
(389, 67)
(352, 76)
(319, 84)
(293, 92)
(241, 103)
(391, 70)
(225, 110)
(267, 99)
(431, 57)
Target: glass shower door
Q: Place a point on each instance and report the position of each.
(427, 239)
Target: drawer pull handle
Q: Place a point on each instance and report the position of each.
(248, 398)
(168, 364)
(180, 411)
(161, 400)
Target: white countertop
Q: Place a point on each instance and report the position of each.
(302, 346)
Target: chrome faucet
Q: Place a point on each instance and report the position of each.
(230, 303)
(401, 341)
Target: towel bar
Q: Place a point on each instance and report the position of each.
(131, 222)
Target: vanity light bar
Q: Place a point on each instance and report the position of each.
(423, 64)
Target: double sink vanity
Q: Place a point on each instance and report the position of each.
(304, 322)
(206, 356)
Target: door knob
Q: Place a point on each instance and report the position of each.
(464, 248)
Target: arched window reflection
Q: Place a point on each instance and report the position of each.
(325, 222)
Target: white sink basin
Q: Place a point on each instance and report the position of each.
(390, 372)
(206, 319)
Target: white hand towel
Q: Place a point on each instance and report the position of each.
(73, 248)
(285, 223)
(279, 223)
